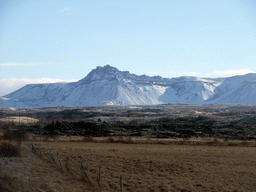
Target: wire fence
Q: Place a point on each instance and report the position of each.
(81, 173)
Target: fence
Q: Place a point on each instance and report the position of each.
(49, 157)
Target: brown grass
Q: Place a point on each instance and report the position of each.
(8, 149)
(30, 173)
(12, 183)
(178, 164)
(157, 167)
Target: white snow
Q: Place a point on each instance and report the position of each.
(109, 86)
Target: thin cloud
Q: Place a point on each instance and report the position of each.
(214, 74)
(14, 64)
(174, 73)
(67, 10)
(231, 72)
(9, 85)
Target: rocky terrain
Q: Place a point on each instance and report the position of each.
(161, 128)
(159, 121)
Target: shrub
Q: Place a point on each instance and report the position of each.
(9, 150)
(110, 139)
(10, 134)
(134, 122)
(129, 140)
(245, 143)
(226, 139)
(233, 144)
(185, 140)
(88, 139)
(7, 134)
(120, 139)
(215, 140)
(5, 126)
(14, 135)
(46, 138)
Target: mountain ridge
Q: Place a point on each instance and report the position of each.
(108, 86)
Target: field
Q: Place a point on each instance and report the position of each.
(144, 167)
(129, 148)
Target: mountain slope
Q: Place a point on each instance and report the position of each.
(237, 90)
(109, 86)
(7, 102)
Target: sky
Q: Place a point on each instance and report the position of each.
(51, 41)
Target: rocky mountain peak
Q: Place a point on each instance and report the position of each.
(106, 72)
(106, 69)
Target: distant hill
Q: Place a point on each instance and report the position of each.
(109, 86)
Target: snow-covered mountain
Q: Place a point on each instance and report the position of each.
(7, 102)
(109, 86)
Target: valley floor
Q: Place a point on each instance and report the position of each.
(144, 167)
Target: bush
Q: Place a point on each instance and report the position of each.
(120, 139)
(11, 134)
(110, 140)
(9, 150)
(88, 139)
(215, 140)
(129, 140)
(226, 139)
(245, 143)
(14, 135)
(7, 134)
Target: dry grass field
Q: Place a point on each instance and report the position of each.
(67, 162)
(144, 167)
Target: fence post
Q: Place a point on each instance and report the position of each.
(121, 183)
(99, 175)
(82, 167)
(67, 161)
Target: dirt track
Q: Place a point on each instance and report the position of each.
(154, 167)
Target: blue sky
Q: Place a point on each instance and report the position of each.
(48, 41)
